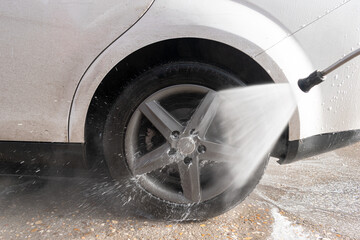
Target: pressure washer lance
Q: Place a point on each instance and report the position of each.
(318, 77)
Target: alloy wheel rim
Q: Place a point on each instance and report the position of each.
(184, 146)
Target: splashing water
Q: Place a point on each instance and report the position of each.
(284, 229)
(251, 120)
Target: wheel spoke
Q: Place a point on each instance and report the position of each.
(190, 180)
(218, 152)
(204, 114)
(160, 118)
(151, 161)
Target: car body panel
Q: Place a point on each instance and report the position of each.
(268, 33)
(331, 106)
(45, 48)
(229, 22)
(287, 47)
(296, 14)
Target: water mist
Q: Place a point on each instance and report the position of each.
(249, 121)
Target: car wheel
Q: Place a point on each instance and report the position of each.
(162, 132)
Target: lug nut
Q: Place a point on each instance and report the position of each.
(172, 151)
(201, 149)
(187, 160)
(175, 134)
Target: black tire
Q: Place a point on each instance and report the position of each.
(135, 93)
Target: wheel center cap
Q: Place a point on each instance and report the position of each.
(186, 145)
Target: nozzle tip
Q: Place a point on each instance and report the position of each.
(312, 80)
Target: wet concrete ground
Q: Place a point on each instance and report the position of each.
(314, 199)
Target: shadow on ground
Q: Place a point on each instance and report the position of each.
(65, 197)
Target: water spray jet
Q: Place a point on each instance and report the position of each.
(250, 122)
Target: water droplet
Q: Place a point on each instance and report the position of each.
(329, 108)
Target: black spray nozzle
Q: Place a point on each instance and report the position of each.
(312, 80)
(317, 77)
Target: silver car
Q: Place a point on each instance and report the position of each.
(121, 84)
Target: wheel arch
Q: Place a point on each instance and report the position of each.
(234, 26)
(180, 49)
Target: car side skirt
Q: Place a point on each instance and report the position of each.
(57, 155)
(318, 144)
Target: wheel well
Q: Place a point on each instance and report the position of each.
(183, 49)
